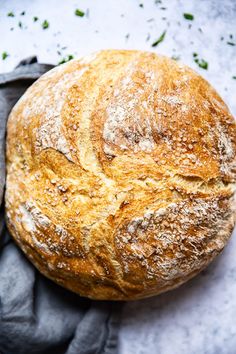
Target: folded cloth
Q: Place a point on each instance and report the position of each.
(36, 315)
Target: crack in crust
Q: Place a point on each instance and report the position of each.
(121, 174)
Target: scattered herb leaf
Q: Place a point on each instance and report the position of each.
(20, 24)
(45, 24)
(195, 55)
(35, 18)
(175, 57)
(10, 14)
(231, 43)
(189, 17)
(141, 5)
(159, 40)
(66, 59)
(4, 55)
(162, 8)
(79, 13)
(234, 77)
(231, 36)
(201, 63)
(22, 13)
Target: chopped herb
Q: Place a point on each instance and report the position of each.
(195, 55)
(23, 13)
(127, 36)
(199, 29)
(141, 5)
(20, 24)
(79, 13)
(175, 57)
(159, 40)
(4, 55)
(157, 1)
(231, 43)
(231, 36)
(45, 24)
(201, 63)
(162, 8)
(221, 38)
(189, 17)
(234, 77)
(35, 18)
(10, 14)
(66, 59)
(12, 29)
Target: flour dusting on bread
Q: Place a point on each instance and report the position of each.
(121, 174)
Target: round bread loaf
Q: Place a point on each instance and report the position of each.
(121, 171)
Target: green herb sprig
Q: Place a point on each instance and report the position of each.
(79, 13)
(159, 40)
(66, 59)
(188, 17)
(45, 24)
(5, 55)
(203, 64)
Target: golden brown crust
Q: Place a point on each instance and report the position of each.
(121, 171)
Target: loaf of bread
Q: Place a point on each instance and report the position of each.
(121, 171)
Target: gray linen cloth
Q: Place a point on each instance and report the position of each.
(36, 315)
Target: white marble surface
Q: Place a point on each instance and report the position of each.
(199, 317)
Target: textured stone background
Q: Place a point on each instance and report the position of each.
(199, 317)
